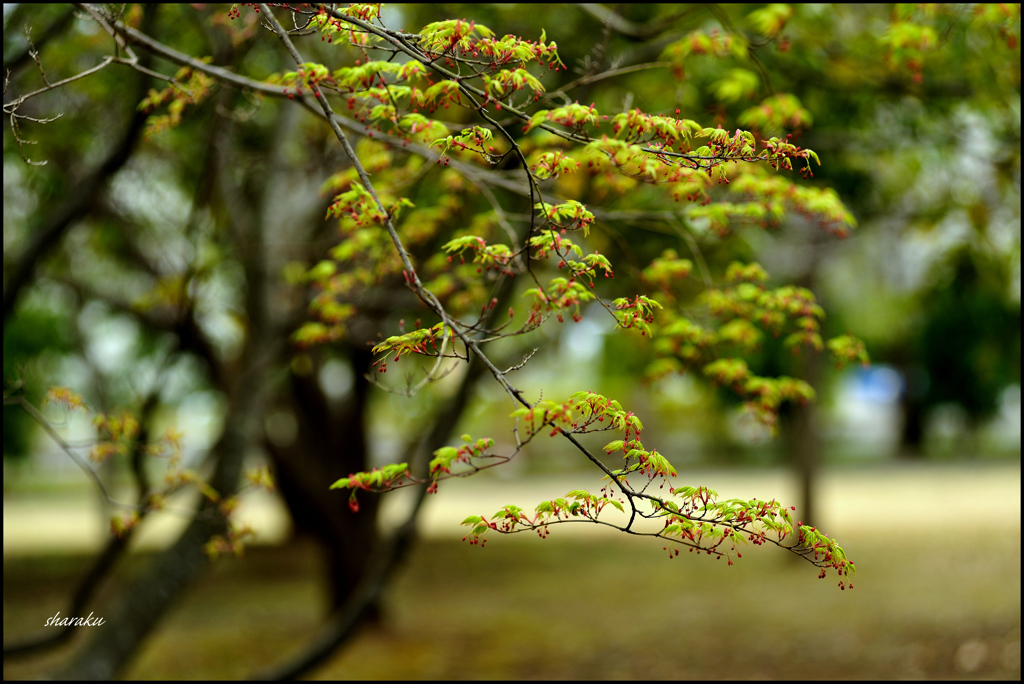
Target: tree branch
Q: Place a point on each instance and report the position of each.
(621, 25)
(54, 29)
(48, 232)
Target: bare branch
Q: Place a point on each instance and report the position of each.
(526, 358)
(34, 54)
(611, 73)
(620, 24)
(118, 40)
(51, 31)
(31, 410)
(12, 106)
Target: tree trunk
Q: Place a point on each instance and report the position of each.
(331, 444)
(803, 439)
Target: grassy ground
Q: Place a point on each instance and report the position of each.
(941, 604)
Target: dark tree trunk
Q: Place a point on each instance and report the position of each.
(803, 439)
(800, 423)
(912, 435)
(331, 444)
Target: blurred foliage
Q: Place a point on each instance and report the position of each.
(33, 332)
(970, 339)
(915, 110)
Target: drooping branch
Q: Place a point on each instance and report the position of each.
(402, 43)
(423, 293)
(412, 277)
(464, 332)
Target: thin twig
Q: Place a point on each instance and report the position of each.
(67, 449)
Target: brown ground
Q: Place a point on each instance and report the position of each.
(929, 604)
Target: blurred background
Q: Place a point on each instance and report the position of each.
(160, 273)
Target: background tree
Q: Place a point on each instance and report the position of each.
(197, 241)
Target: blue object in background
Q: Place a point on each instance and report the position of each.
(879, 384)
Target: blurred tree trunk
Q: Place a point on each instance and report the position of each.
(801, 432)
(803, 438)
(912, 432)
(330, 444)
